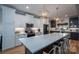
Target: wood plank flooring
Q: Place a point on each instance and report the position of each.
(17, 50)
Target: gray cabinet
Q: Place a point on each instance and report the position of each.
(52, 23)
(74, 36)
(74, 22)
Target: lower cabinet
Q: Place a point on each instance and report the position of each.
(74, 36)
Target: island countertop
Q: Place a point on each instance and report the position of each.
(36, 43)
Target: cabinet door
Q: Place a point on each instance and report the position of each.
(53, 23)
(78, 23)
(73, 22)
(75, 36)
(78, 36)
(8, 27)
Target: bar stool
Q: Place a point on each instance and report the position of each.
(57, 48)
(66, 45)
(60, 48)
(53, 50)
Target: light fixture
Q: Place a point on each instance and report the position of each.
(66, 15)
(44, 12)
(27, 7)
(57, 17)
(44, 15)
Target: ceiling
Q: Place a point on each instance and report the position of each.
(69, 9)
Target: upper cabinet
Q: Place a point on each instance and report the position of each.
(52, 23)
(74, 22)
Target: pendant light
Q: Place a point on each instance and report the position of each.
(57, 17)
(44, 15)
(44, 12)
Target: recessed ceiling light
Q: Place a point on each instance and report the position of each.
(66, 15)
(27, 7)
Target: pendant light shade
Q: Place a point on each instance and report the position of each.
(44, 12)
(57, 17)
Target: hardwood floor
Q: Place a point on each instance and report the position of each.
(17, 50)
(74, 46)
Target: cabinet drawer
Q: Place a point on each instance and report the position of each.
(74, 35)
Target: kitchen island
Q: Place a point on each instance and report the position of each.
(36, 43)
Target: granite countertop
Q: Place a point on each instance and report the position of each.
(36, 43)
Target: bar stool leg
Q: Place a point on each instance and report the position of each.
(53, 49)
(59, 50)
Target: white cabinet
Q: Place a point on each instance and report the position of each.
(8, 31)
(0, 21)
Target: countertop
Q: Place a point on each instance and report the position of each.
(34, 44)
(66, 31)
